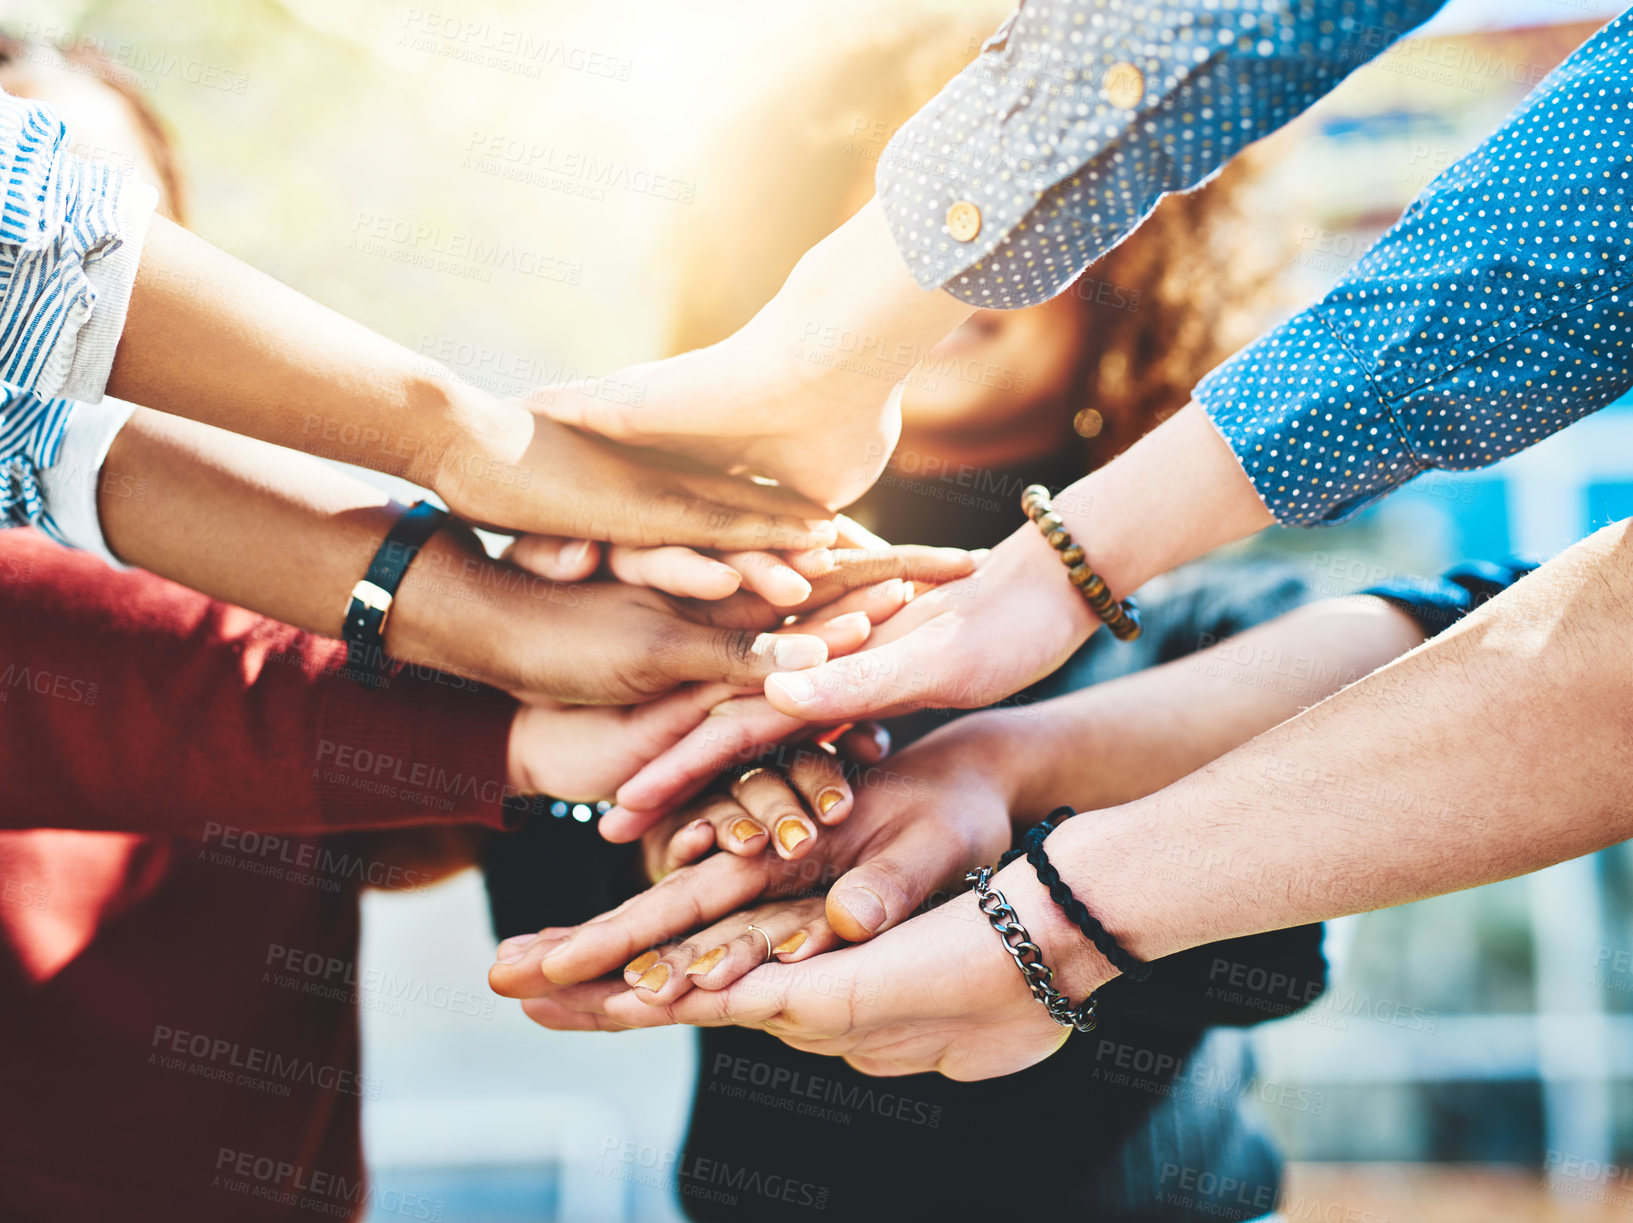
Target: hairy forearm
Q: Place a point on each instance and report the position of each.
(1501, 746)
(210, 338)
(1111, 743)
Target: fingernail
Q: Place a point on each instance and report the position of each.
(894, 590)
(796, 688)
(573, 554)
(513, 949)
(791, 944)
(791, 833)
(829, 799)
(726, 571)
(799, 652)
(706, 962)
(881, 740)
(851, 621)
(655, 979)
(865, 906)
(825, 531)
(642, 962)
(697, 825)
(746, 831)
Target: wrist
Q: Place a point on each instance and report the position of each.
(470, 437)
(444, 614)
(1098, 856)
(1002, 746)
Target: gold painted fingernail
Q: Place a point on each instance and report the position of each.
(746, 830)
(829, 799)
(706, 962)
(791, 833)
(642, 962)
(791, 944)
(655, 979)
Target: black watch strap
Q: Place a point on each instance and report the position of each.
(370, 605)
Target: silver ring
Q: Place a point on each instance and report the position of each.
(751, 771)
(767, 939)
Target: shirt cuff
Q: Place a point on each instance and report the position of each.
(1307, 425)
(69, 486)
(112, 275)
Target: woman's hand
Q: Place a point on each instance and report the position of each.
(809, 391)
(920, 820)
(509, 467)
(799, 582)
(964, 645)
(938, 993)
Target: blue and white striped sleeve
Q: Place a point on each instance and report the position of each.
(51, 474)
(70, 237)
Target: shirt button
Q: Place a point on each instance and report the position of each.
(1123, 86)
(963, 221)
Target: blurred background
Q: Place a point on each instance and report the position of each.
(536, 191)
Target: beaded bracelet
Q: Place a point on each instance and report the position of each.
(1122, 618)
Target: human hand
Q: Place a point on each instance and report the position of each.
(797, 581)
(591, 642)
(512, 468)
(809, 391)
(919, 822)
(970, 642)
(964, 645)
(938, 992)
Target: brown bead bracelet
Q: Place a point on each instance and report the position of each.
(1122, 618)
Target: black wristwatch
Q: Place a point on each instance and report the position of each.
(370, 606)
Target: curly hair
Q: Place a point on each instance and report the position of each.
(1193, 284)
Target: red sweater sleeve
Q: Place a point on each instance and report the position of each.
(131, 704)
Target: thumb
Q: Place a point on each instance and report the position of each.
(578, 404)
(871, 683)
(554, 557)
(889, 887)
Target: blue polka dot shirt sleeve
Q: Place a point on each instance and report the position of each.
(1079, 115)
(1495, 312)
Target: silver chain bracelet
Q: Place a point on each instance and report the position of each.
(1028, 956)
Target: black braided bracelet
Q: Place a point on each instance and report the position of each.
(1104, 940)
